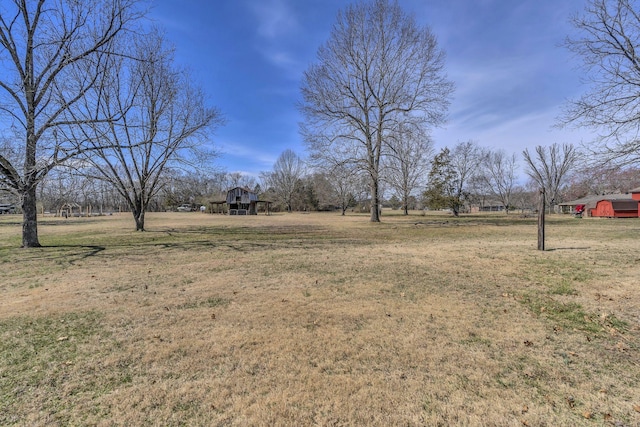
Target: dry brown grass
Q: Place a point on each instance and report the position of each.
(320, 320)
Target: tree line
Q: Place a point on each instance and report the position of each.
(478, 178)
(458, 179)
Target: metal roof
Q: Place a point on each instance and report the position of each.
(596, 198)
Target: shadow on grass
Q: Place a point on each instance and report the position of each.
(246, 246)
(85, 251)
(68, 253)
(584, 248)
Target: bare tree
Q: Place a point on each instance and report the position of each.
(525, 198)
(407, 163)
(549, 168)
(608, 41)
(499, 173)
(345, 181)
(52, 53)
(465, 158)
(602, 180)
(284, 177)
(163, 124)
(479, 190)
(196, 187)
(61, 186)
(239, 179)
(323, 191)
(377, 70)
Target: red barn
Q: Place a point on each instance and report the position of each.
(616, 208)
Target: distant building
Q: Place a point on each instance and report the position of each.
(615, 208)
(239, 201)
(607, 206)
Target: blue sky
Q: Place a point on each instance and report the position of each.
(511, 74)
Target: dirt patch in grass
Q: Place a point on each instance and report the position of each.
(320, 320)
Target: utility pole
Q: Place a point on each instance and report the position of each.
(541, 207)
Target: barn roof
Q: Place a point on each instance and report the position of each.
(596, 198)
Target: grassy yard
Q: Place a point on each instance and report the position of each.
(318, 319)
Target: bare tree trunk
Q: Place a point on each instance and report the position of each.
(375, 201)
(29, 196)
(139, 218)
(30, 219)
(138, 211)
(405, 203)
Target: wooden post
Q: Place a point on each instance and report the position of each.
(541, 209)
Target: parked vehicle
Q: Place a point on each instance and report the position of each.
(7, 209)
(185, 208)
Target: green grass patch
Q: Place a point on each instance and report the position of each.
(44, 364)
(569, 315)
(207, 303)
(563, 288)
(558, 274)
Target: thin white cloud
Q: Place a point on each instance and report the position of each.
(489, 93)
(283, 60)
(278, 30)
(275, 18)
(514, 134)
(172, 24)
(241, 151)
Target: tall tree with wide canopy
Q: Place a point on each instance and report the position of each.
(52, 54)
(378, 69)
(163, 123)
(608, 41)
